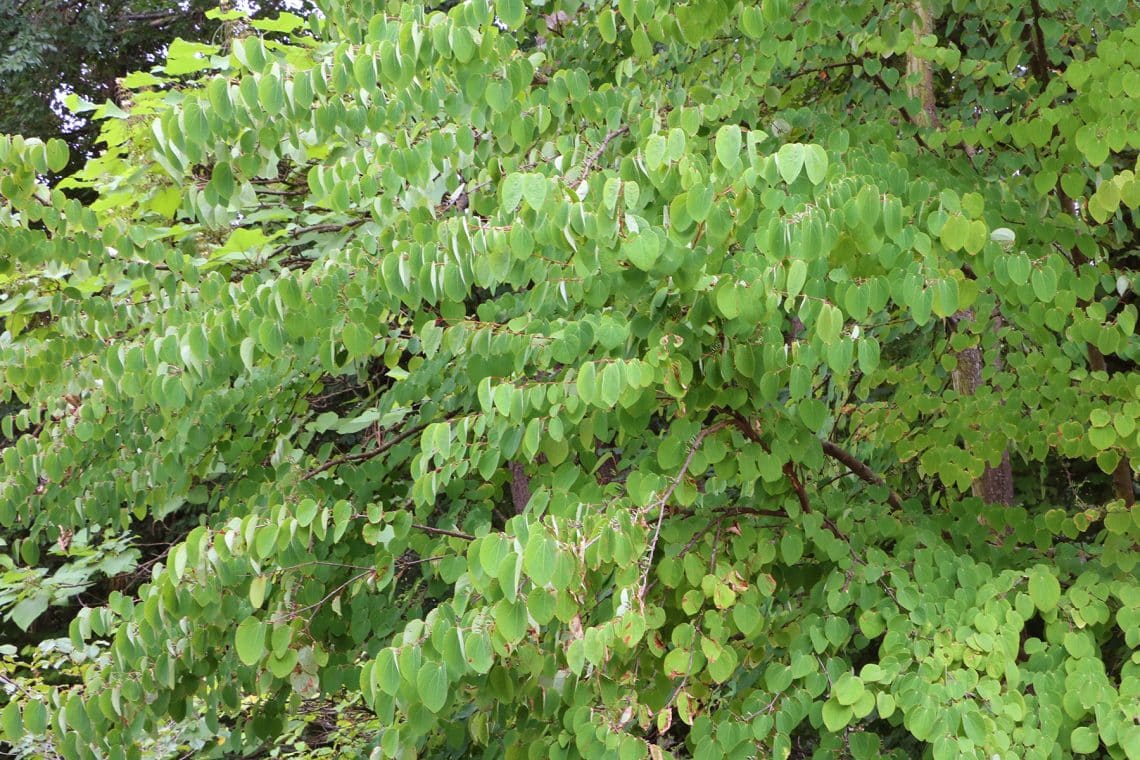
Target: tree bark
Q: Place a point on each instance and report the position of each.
(520, 487)
(995, 486)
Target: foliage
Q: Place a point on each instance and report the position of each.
(583, 381)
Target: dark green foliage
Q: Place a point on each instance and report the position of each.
(584, 381)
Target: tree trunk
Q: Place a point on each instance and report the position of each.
(996, 484)
(520, 487)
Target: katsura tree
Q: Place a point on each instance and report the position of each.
(707, 379)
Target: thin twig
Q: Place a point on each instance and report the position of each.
(19, 686)
(443, 532)
(663, 500)
(746, 428)
(293, 614)
(860, 469)
(593, 157)
(361, 456)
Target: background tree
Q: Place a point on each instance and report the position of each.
(699, 379)
(52, 48)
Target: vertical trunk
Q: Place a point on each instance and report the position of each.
(919, 69)
(996, 484)
(520, 487)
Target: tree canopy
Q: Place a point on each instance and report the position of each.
(638, 379)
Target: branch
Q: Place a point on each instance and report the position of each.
(322, 227)
(520, 486)
(443, 532)
(828, 67)
(362, 456)
(663, 500)
(745, 427)
(296, 613)
(593, 157)
(1040, 61)
(860, 469)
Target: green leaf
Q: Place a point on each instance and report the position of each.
(727, 300)
(728, 143)
(534, 189)
(511, 12)
(1044, 282)
(954, 232)
(815, 163)
(790, 161)
(655, 151)
(25, 612)
(1084, 740)
(797, 276)
(11, 724)
(257, 588)
(586, 383)
(607, 26)
(35, 716)
(1129, 741)
(922, 721)
(868, 354)
(746, 617)
(386, 671)
(249, 641)
(539, 559)
(677, 663)
(576, 656)
(641, 249)
(836, 716)
(724, 666)
(511, 191)
(699, 202)
(511, 620)
(611, 385)
(57, 155)
(432, 685)
(357, 340)
(791, 547)
(540, 604)
(848, 689)
(829, 324)
(1044, 589)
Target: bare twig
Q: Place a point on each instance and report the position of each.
(592, 159)
(294, 614)
(443, 532)
(362, 456)
(17, 686)
(860, 469)
(664, 499)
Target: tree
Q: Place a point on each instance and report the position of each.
(53, 48)
(589, 380)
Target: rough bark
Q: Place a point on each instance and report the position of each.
(520, 487)
(995, 486)
(920, 69)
